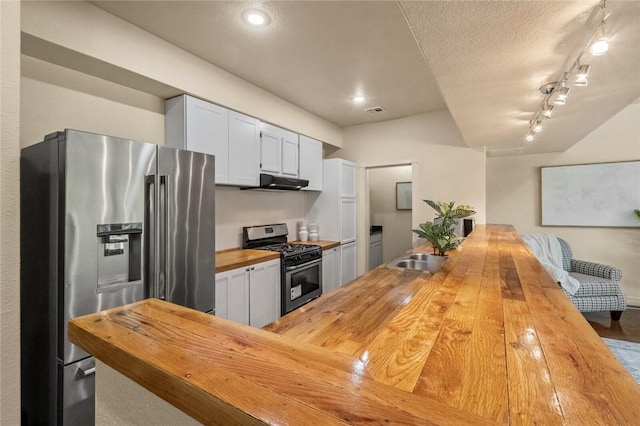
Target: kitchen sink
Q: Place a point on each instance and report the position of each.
(418, 256)
(415, 261)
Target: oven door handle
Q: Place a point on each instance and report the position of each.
(304, 265)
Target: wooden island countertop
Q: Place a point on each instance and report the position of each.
(489, 339)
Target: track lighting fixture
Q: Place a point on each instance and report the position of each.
(562, 95)
(547, 111)
(536, 126)
(556, 92)
(581, 75)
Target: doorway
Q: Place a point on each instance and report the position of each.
(388, 212)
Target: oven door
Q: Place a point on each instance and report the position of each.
(301, 284)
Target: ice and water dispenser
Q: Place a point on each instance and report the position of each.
(119, 254)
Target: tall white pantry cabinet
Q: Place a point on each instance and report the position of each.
(334, 210)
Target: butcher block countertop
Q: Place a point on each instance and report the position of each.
(227, 260)
(234, 258)
(489, 339)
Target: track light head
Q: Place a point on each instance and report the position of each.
(581, 75)
(547, 112)
(562, 96)
(530, 137)
(536, 126)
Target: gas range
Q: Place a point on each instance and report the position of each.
(274, 238)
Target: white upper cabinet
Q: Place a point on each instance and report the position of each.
(278, 151)
(270, 147)
(290, 155)
(244, 147)
(310, 162)
(233, 138)
(196, 125)
(244, 150)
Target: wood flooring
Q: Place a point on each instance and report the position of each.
(628, 328)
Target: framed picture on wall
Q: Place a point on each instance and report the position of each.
(403, 195)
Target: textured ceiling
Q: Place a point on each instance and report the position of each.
(483, 60)
(490, 58)
(316, 55)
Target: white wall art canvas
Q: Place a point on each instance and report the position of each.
(603, 194)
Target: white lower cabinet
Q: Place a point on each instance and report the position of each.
(348, 262)
(264, 293)
(232, 295)
(375, 250)
(250, 295)
(330, 270)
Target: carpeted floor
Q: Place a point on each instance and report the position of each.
(628, 353)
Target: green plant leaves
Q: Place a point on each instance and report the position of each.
(440, 234)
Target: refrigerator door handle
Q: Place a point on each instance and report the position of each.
(150, 278)
(163, 230)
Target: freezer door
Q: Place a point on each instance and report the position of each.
(186, 221)
(78, 394)
(104, 184)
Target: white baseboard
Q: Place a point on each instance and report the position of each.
(633, 301)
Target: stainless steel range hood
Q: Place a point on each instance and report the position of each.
(280, 183)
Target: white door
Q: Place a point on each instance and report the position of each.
(207, 130)
(264, 293)
(330, 270)
(348, 261)
(375, 254)
(232, 295)
(244, 150)
(289, 154)
(347, 220)
(347, 179)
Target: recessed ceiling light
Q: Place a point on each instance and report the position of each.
(358, 99)
(256, 18)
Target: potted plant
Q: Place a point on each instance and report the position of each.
(440, 233)
(637, 212)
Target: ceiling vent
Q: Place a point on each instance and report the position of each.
(374, 109)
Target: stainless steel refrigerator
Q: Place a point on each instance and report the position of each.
(104, 222)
